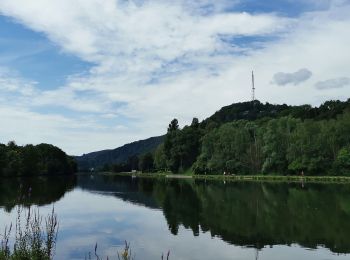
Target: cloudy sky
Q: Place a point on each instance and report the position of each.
(87, 75)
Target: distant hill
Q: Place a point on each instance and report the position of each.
(250, 111)
(119, 155)
(255, 137)
(256, 110)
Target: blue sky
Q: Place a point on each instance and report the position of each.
(33, 56)
(89, 75)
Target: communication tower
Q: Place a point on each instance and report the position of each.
(253, 87)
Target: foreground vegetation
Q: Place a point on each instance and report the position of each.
(34, 160)
(251, 138)
(32, 240)
(35, 239)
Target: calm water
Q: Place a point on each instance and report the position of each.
(192, 219)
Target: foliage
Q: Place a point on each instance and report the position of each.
(160, 158)
(253, 138)
(33, 240)
(181, 148)
(243, 138)
(146, 163)
(343, 160)
(119, 156)
(34, 160)
(256, 110)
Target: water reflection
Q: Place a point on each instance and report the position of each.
(33, 190)
(244, 213)
(183, 215)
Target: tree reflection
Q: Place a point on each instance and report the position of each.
(33, 190)
(246, 214)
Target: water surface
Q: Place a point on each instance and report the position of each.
(192, 219)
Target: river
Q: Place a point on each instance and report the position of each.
(193, 219)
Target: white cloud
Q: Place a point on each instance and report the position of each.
(31, 127)
(333, 83)
(15, 84)
(155, 60)
(282, 78)
(95, 30)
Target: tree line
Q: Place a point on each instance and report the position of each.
(34, 160)
(254, 138)
(143, 163)
(262, 139)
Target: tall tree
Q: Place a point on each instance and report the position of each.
(146, 163)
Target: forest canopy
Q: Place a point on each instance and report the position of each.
(254, 138)
(249, 138)
(34, 160)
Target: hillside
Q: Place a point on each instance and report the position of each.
(253, 138)
(256, 110)
(246, 137)
(119, 155)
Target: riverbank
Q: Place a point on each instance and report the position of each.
(259, 178)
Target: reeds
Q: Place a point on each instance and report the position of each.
(167, 256)
(125, 254)
(32, 239)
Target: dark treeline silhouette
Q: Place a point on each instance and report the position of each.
(32, 160)
(121, 158)
(143, 162)
(37, 190)
(253, 138)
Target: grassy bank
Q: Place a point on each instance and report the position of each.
(260, 178)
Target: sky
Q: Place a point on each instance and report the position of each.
(87, 75)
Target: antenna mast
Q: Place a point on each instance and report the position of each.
(253, 87)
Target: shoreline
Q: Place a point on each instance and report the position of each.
(231, 178)
(251, 178)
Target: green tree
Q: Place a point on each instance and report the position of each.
(342, 161)
(160, 160)
(34, 160)
(276, 139)
(146, 163)
(173, 126)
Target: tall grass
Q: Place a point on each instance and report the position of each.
(34, 237)
(125, 254)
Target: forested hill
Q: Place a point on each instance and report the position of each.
(243, 138)
(256, 110)
(119, 155)
(254, 138)
(32, 160)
